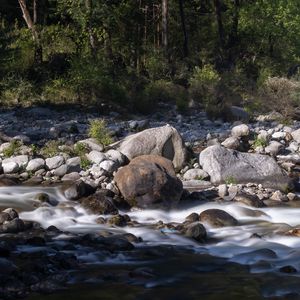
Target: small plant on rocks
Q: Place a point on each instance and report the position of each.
(99, 131)
(259, 142)
(230, 180)
(50, 149)
(13, 148)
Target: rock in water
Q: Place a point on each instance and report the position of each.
(164, 141)
(217, 218)
(229, 165)
(100, 203)
(149, 181)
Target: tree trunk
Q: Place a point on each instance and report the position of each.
(220, 23)
(185, 36)
(165, 24)
(38, 51)
(233, 35)
(89, 8)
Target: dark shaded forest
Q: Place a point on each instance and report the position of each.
(135, 53)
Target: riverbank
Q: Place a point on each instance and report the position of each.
(170, 185)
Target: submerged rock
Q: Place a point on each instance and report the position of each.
(149, 181)
(196, 231)
(100, 203)
(217, 218)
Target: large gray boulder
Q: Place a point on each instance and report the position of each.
(225, 165)
(149, 181)
(164, 141)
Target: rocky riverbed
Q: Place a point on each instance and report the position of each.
(170, 185)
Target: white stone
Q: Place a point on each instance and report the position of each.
(240, 130)
(35, 164)
(96, 156)
(109, 165)
(10, 167)
(54, 162)
(198, 174)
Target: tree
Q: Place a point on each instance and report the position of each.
(165, 24)
(31, 24)
(184, 31)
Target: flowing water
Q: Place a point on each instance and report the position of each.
(257, 244)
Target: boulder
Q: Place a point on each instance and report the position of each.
(274, 148)
(54, 162)
(149, 181)
(116, 156)
(92, 144)
(231, 143)
(77, 190)
(100, 203)
(196, 231)
(195, 174)
(35, 164)
(21, 160)
(164, 141)
(96, 157)
(109, 166)
(240, 130)
(250, 200)
(10, 167)
(224, 165)
(73, 164)
(217, 218)
(296, 135)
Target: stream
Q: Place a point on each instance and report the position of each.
(254, 260)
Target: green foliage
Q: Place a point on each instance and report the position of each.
(15, 90)
(203, 84)
(84, 163)
(99, 131)
(259, 142)
(282, 94)
(111, 51)
(13, 148)
(230, 180)
(50, 149)
(80, 149)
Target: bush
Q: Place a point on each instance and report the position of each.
(59, 91)
(99, 131)
(13, 148)
(203, 83)
(161, 91)
(17, 91)
(157, 66)
(281, 94)
(50, 149)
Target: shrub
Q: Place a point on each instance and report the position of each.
(59, 91)
(13, 148)
(281, 94)
(161, 91)
(50, 149)
(99, 131)
(259, 142)
(157, 66)
(17, 90)
(80, 149)
(203, 87)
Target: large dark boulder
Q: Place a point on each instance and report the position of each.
(149, 181)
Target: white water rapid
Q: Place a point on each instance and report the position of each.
(257, 241)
